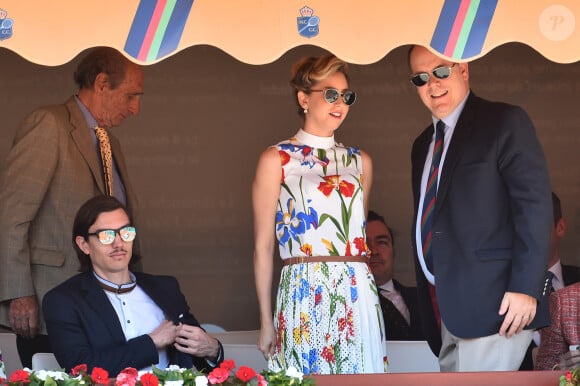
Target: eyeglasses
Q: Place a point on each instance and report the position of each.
(107, 236)
(331, 95)
(422, 78)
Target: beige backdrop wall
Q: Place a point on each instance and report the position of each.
(206, 117)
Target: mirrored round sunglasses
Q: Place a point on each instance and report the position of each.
(422, 78)
(107, 236)
(331, 95)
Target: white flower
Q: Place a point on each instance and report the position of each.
(294, 373)
(55, 375)
(175, 367)
(174, 383)
(200, 380)
(58, 375)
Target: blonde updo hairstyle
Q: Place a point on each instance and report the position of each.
(308, 71)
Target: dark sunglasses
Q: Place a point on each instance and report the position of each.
(422, 78)
(331, 95)
(107, 236)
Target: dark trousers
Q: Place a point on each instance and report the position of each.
(28, 347)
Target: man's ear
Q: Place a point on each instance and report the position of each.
(82, 244)
(464, 68)
(561, 227)
(101, 82)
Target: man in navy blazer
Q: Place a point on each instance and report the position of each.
(112, 318)
(483, 293)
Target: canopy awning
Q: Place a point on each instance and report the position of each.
(260, 31)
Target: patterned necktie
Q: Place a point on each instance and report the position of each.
(107, 159)
(431, 195)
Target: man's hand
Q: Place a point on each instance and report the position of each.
(23, 314)
(195, 341)
(521, 310)
(164, 334)
(569, 360)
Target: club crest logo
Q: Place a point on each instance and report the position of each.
(5, 25)
(307, 22)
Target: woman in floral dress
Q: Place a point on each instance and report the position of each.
(312, 191)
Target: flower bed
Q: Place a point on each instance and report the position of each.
(225, 374)
(571, 378)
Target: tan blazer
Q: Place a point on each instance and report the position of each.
(51, 170)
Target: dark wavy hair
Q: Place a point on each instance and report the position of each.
(374, 216)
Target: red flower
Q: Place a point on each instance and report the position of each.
(20, 376)
(245, 373)
(2, 380)
(280, 332)
(228, 364)
(149, 379)
(353, 279)
(306, 150)
(79, 370)
(218, 375)
(361, 245)
(317, 298)
(328, 354)
(347, 251)
(332, 183)
(100, 376)
(569, 376)
(350, 322)
(261, 380)
(341, 324)
(284, 157)
(127, 377)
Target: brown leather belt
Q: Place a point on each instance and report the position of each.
(325, 259)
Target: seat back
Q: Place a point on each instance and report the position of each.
(237, 337)
(10, 355)
(45, 361)
(411, 357)
(245, 355)
(210, 327)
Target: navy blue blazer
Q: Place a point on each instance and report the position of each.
(83, 327)
(396, 326)
(570, 274)
(491, 222)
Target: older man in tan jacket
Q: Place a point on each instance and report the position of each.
(53, 167)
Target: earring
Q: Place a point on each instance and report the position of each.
(306, 110)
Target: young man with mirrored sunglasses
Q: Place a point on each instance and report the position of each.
(110, 317)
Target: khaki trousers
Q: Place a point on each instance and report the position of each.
(488, 353)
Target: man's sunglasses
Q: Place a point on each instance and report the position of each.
(422, 78)
(331, 95)
(107, 236)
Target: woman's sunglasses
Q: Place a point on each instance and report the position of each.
(331, 95)
(422, 78)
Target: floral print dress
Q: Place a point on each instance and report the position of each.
(328, 317)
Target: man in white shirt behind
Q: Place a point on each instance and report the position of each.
(398, 302)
